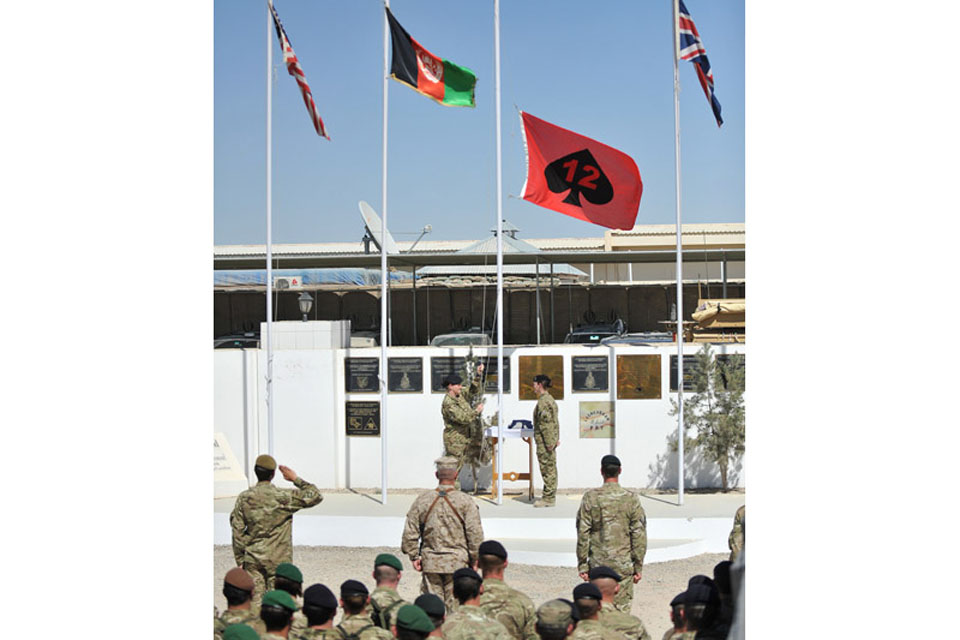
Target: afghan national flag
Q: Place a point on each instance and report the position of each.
(442, 80)
(579, 177)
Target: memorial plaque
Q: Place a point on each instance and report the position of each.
(591, 373)
(596, 419)
(689, 366)
(638, 377)
(363, 418)
(490, 373)
(441, 367)
(531, 366)
(361, 375)
(404, 375)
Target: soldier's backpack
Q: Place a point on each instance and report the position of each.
(381, 617)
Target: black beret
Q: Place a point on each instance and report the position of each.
(452, 379)
(610, 461)
(604, 572)
(700, 579)
(678, 599)
(319, 595)
(466, 572)
(353, 588)
(721, 576)
(431, 604)
(701, 594)
(493, 548)
(587, 590)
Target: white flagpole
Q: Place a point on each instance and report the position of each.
(269, 230)
(500, 416)
(676, 120)
(384, 274)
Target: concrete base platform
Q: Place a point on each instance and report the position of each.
(532, 536)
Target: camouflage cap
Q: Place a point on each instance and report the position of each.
(412, 617)
(289, 571)
(446, 462)
(432, 605)
(239, 578)
(353, 588)
(492, 548)
(587, 590)
(610, 461)
(240, 632)
(277, 598)
(266, 461)
(388, 559)
(604, 572)
(319, 595)
(555, 613)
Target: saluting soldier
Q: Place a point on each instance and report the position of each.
(608, 582)
(508, 606)
(262, 522)
(546, 433)
(612, 531)
(459, 416)
(442, 533)
(385, 600)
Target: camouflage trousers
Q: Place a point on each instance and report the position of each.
(439, 584)
(262, 582)
(623, 600)
(548, 469)
(455, 444)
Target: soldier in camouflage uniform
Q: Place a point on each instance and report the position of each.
(442, 533)
(676, 617)
(546, 433)
(469, 621)
(262, 522)
(289, 578)
(701, 608)
(587, 597)
(385, 601)
(459, 417)
(276, 611)
(737, 534)
(612, 531)
(556, 619)
(238, 590)
(319, 608)
(608, 582)
(356, 623)
(435, 609)
(511, 608)
(413, 623)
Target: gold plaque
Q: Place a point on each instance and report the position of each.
(531, 366)
(597, 419)
(638, 377)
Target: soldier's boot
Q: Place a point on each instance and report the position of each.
(545, 503)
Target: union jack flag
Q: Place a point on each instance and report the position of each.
(293, 67)
(691, 48)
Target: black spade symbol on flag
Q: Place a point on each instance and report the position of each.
(581, 174)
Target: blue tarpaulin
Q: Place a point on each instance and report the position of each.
(258, 277)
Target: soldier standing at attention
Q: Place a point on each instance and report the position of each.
(238, 590)
(289, 578)
(587, 598)
(469, 621)
(612, 531)
(276, 611)
(458, 416)
(412, 623)
(556, 620)
(262, 522)
(319, 607)
(435, 609)
(608, 582)
(356, 623)
(442, 533)
(546, 433)
(385, 601)
(511, 608)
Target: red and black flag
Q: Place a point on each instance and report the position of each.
(579, 177)
(447, 83)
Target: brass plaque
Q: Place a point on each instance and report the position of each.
(361, 375)
(531, 366)
(597, 419)
(638, 377)
(363, 418)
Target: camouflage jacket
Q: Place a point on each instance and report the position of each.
(262, 522)
(672, 634)
(628, 625)
(469, 622)
(594, 630)
(314, 634)
(611, 530)
(359, 627)
(737, 534)
(385, 603)
(237, 616)
(545, 419)
(511, 608)
(457, 413)
(450, 538)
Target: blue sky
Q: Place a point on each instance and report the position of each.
(602, 69)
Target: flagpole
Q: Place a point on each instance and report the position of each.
(384, 320)
(676, 120)
(269, 231)
(500, 416)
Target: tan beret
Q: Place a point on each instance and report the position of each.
(239, 578)
(267, 462)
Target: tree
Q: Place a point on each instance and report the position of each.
(715, 409)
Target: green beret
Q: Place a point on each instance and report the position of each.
(413, 618)
(289, 571)
(267, 462)
(388, 559)
(279, 598)
(240, 632)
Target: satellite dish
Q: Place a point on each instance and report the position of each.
(374, 227)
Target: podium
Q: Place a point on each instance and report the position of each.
(522, 432)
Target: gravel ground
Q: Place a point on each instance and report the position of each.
(332, 565)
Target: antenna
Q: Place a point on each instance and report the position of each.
(426, 229)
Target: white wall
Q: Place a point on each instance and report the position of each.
(309, 420)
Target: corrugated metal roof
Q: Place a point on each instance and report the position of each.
(511, 269)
